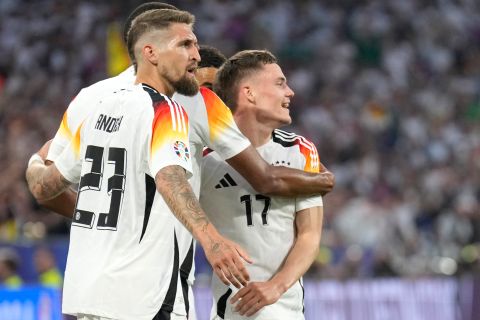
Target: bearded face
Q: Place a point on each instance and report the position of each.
(186, 85)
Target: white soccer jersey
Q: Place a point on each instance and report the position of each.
(123, 260)
(82, 106)
(211, 124)
(263, 225)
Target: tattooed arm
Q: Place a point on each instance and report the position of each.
(64, 203)
(224, 255)
(45, 182)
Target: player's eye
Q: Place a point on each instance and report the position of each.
(186, 44)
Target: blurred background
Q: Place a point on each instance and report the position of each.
(388, 90)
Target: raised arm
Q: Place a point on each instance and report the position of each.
(256, 295)
(277, 180)
(224, 255)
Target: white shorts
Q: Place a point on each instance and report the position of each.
(173, 316)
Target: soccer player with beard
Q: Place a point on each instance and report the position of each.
(216, 125)
(124, 259)
(211, 124)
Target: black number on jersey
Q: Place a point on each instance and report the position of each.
(93, 181)
(248, 207)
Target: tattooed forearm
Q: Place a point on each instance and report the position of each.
(45, 182)
(178, 194)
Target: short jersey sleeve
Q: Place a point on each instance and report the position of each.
(81, 107)
(312, 164)
(310, 153)
(69, 162)
(223, 134)
(302, 203)
(169, 138)
(76, 112)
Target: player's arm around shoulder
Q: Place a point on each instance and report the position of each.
(283, 181)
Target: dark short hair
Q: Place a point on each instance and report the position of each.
(235, 69)
(154, 20)
(141, 9)
(211, 57)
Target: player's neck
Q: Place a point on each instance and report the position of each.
(258, 133)
(153, 80)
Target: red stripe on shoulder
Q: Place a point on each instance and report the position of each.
(309, 151)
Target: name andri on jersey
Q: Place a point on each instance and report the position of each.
(108, 124)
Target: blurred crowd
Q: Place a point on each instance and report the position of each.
(388, 90)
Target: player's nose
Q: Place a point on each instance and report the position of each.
(195, 54)
(289, 92)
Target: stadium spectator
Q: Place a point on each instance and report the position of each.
(45, 264)
(9, 264)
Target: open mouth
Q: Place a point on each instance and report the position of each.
(191, 70)
(286, 105)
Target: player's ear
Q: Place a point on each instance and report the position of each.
(248, 93)
(149, 54)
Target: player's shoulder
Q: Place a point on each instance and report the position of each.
(204, 91)
(289, 139)
(179, 96)
(95, 92)
(102, 85)
(210, 98)
(204, 96)
(160, 101)
(189, 102)
(125, 78)
(85, 102)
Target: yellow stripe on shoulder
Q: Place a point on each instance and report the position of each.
(76, 141)
(64, 128)
(219, 115)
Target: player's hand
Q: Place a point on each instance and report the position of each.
(255, 296)
(227, 261)
(43, 152)
(328, 179)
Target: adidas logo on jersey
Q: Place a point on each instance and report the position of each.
(226, 181)
(281, 163)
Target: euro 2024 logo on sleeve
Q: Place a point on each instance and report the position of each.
(181, 150)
